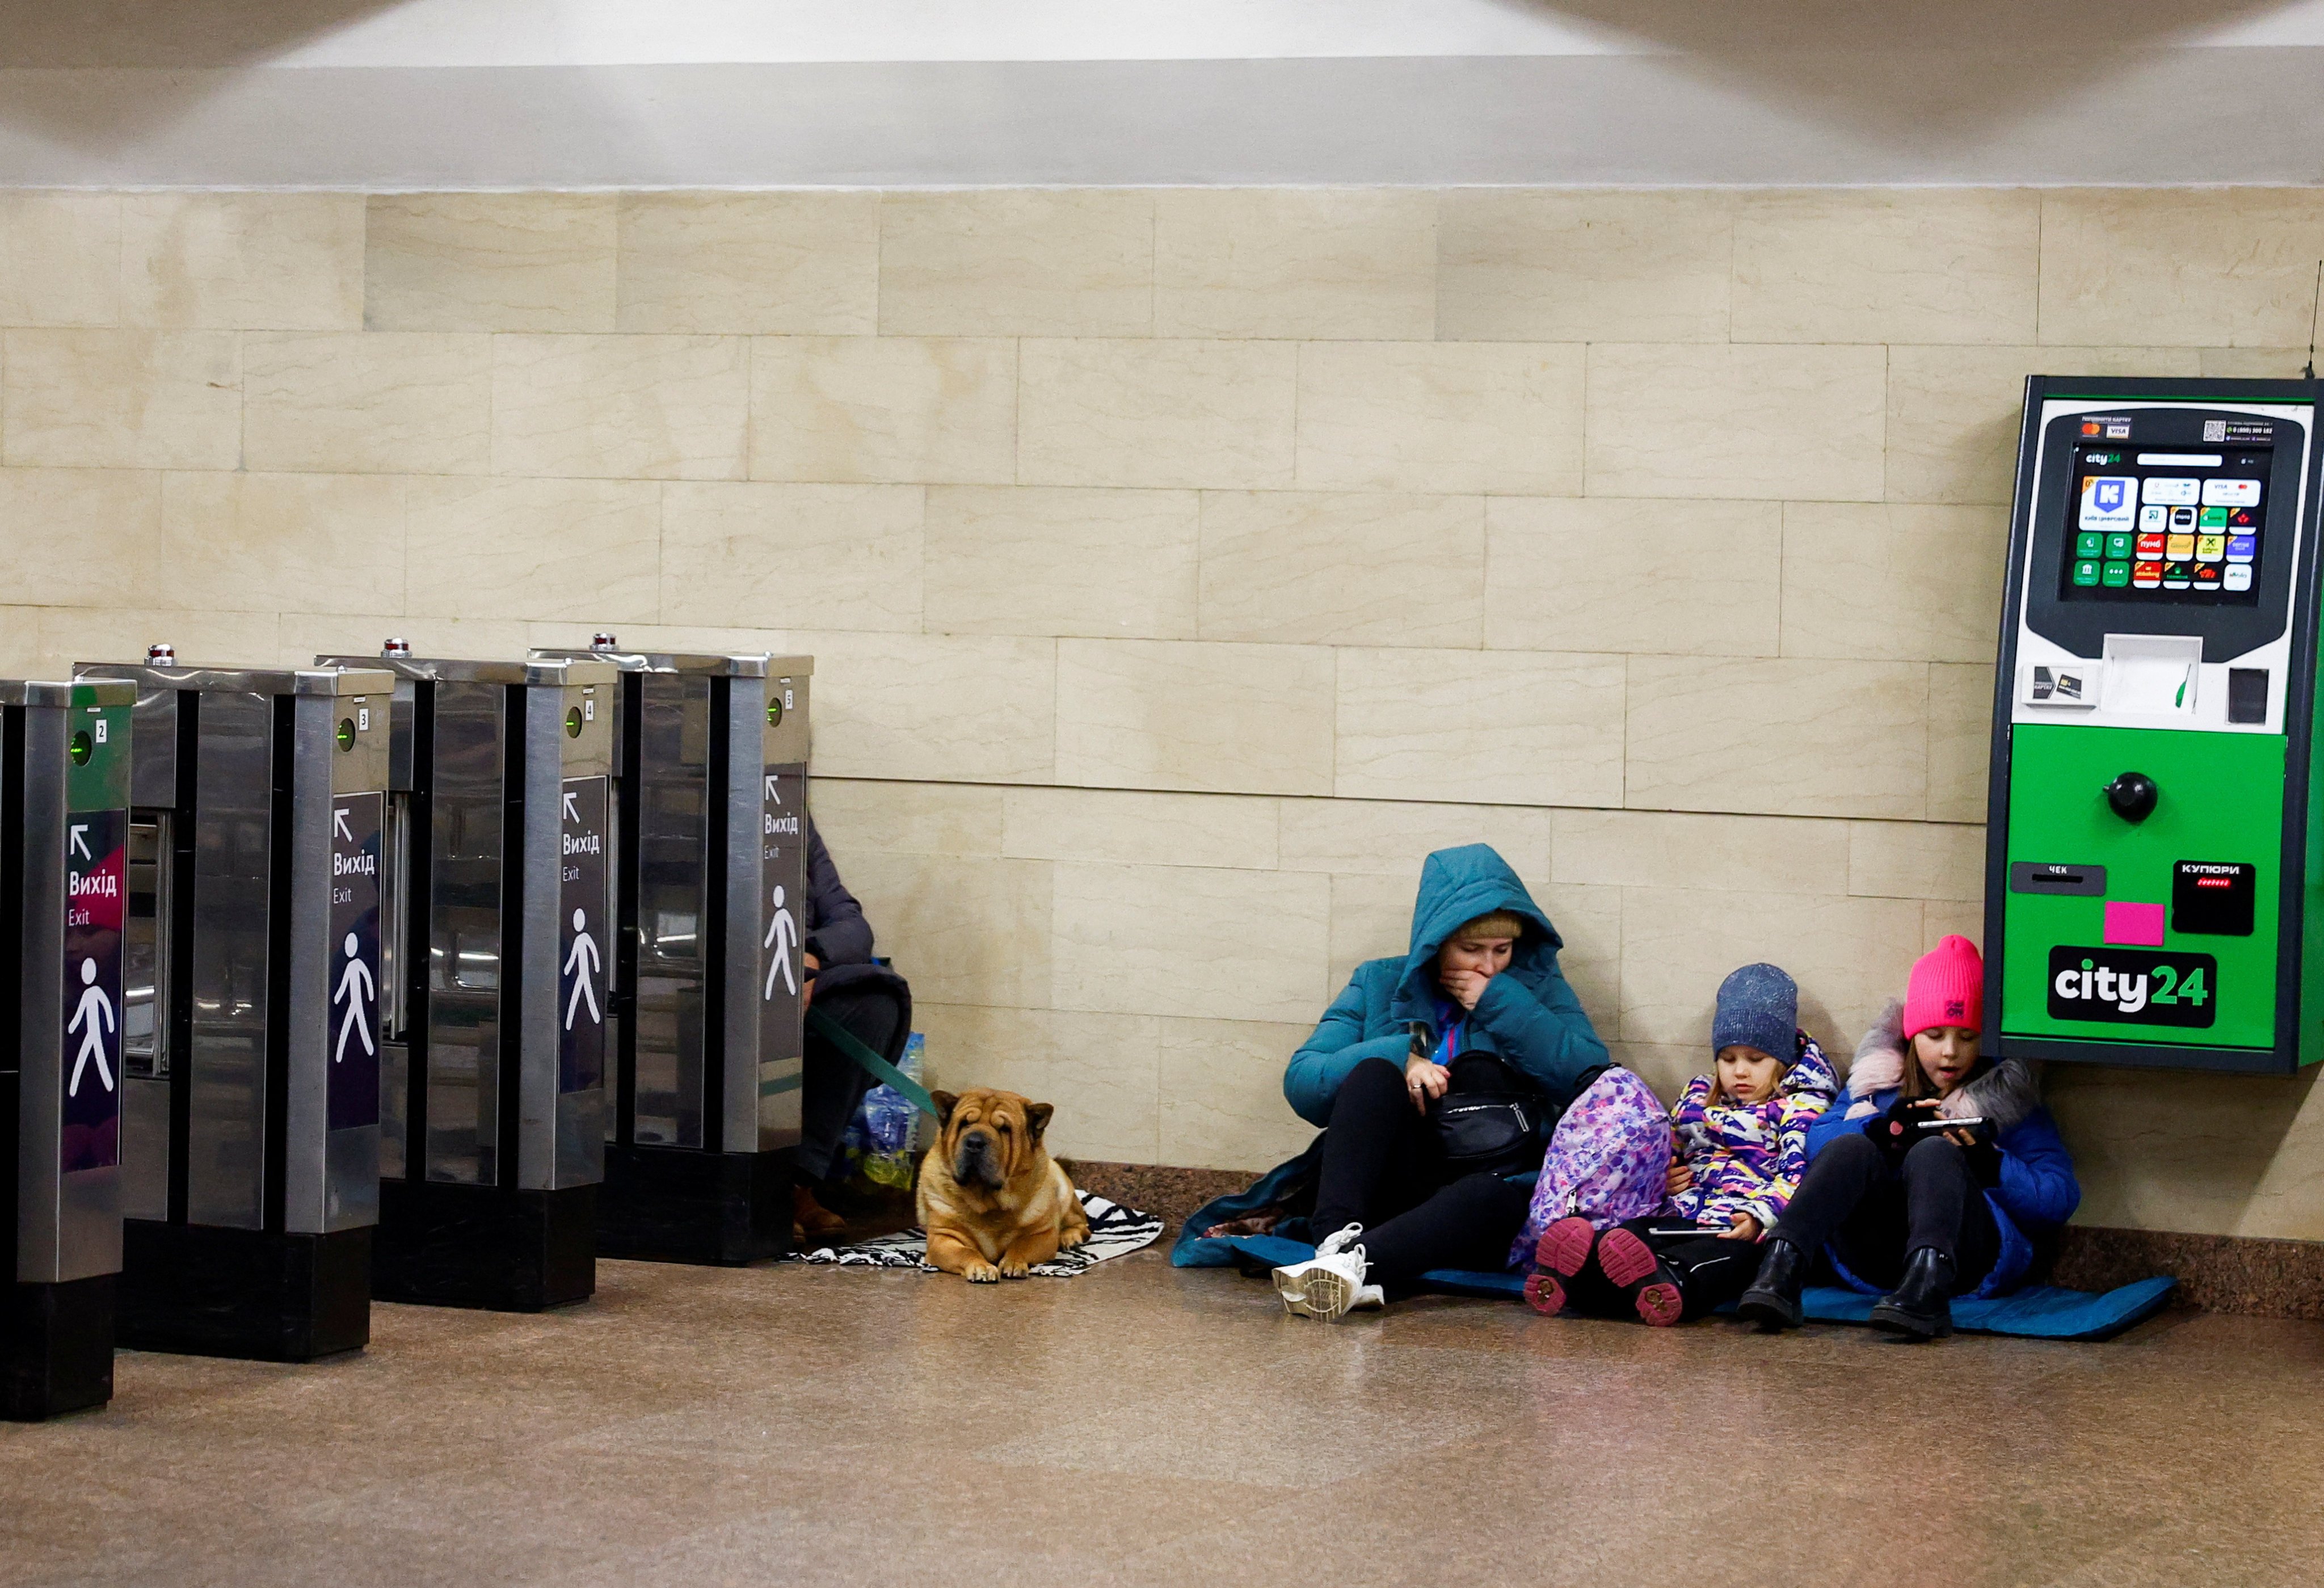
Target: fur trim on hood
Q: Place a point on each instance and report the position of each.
(2003, 1094)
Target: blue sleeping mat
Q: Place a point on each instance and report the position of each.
(2038, 1312)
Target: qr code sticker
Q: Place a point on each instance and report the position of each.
(2215, 429)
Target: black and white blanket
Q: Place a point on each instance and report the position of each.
(1115, 1231)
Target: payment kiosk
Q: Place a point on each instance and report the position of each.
(250, 1018)
(64, 833)
(711, 868)
(2151, 895)
(496, 934)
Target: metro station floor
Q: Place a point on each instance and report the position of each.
(1142, 1425)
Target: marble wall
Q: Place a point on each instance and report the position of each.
(1181, 565)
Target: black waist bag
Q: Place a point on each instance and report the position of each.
(1478, 1128)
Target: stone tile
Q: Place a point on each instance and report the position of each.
(205, 637)
(122, 398)
(581, 550)
(1954, 412)
(1157, 413)
(20, 642)
(1190, 941)
(1371, 918)
(2250, 364)
(1459, 417)
(1916, 859)
(958, 708)
(1488, 726)
(47, 240)
(1681, 578)
(1589, 922)
(775, 556)
(110, 519)
(622, 407)
(1715, 853)
(1580, 266)
(368, 403)
(489, 262)
(2214, 1155)
(801, 263)
(1908, 584)
(1960, 742)
(885, 410)
(962, 930)
(1803, 423)
(1222, 1093)
(297, 542)
(1132, 827)
(865, 816)
(1251, 720)
(1314, 262)
(252, 261)
(1342, 568)
(304, 636)
(1785, 738)
(1031, 560)
(1944, 918)
(1848, 956)
(1027, 262)
(1923, 264)
(2228, 267)
(1391, 838)
(1101, 1072)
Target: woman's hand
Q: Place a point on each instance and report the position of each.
(806, 984)
(1680, 1178)
(1464, 987)
(1424, 1079)
(1744, 1228)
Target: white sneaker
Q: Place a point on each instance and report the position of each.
(1369, 1295)
(1340, 1240)
(1323, 1287)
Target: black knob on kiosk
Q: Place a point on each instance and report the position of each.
(2133, 796)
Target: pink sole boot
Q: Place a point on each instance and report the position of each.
(1631, 1263)
(1561, 1253)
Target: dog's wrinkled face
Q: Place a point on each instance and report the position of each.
(988, 1137)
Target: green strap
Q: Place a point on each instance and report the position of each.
(878, 1068)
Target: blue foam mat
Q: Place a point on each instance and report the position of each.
(2037, 1311)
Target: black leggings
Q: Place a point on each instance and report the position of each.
(1383, 1169)
(874, 1014)
(1877, 1210)
(1710, 1272)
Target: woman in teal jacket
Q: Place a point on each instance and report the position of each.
(1475, 1009)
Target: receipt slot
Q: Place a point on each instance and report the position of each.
(250, 1019)
(64, 832)
(2150, 897)
(496, 924)
(711, 752)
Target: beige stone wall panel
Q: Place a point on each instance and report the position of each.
(961, 930)
(748, 263)
(1190, 941)
(1960, 741)
(1906, 583)
(1184, 413)
(622, 407)
(59, 259)
(109, 519)
(1101, 1073)
(1784, 738)
(1737, 422)
(1392, 838)
(121, 399)
(368, 403)
(575, 551)
(243, 261)
(1955, 266)
(1917, 860)
(2228, 267)
(1250, 719)
(1680, 578)
(863, 815)
(961, 708)
(1548, 266)
(207, 637)
(1127, 826)
(295, 542)
(1316, 262)
(764, 555)
(1342, 568)
(1440, 417)
(490, 262)
(1222, 1093)
(883, 409)
(2209, 1155)
(1494, 728)
(1031, 560)
(1709, 853)
(1017, 262)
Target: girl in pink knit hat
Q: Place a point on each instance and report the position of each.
(1935, 1178)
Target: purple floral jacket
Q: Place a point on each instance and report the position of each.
(1748, 1158)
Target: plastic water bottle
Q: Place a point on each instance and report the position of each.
(888, 1118)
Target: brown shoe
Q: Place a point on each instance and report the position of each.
(810, 1217)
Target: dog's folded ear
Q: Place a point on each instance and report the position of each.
(1037, 1118)
(946, 1103)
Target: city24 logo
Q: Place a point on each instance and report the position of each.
(2133, 986)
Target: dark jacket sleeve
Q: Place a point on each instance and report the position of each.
(2037, 1175)
(837, 932)
(1544, 1034)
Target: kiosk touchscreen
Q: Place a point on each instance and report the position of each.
(2148, 892)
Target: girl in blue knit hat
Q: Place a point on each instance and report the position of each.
(1741, 1147)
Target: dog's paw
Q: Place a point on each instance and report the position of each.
(1070, 1238)
(1014, 1267)
(981, 1273)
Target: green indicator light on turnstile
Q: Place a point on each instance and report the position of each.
(83, 746)
(347, 732)
(774, 711)
(572, 723)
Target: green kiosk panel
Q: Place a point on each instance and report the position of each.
(2149, 894)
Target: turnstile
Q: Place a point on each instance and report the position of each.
(250, 1021)
(493, 1100)
(64, 829)
(711, 752)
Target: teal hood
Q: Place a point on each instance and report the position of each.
(1456, 887)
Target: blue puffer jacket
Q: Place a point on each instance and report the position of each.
(2037, 1193)
(1527, 1017)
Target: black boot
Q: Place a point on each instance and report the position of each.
(1918, 1305)
(1772, 1301)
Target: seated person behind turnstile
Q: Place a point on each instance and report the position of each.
(874, 1005)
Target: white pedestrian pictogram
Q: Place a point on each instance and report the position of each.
(580, 964)
(95, 1008)
(782, 937)
(355, 985)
